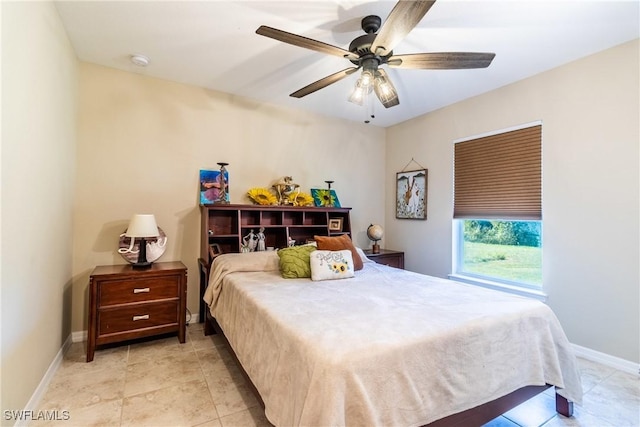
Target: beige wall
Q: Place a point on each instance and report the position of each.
(39, 80)
(142, 142)
(590, 113)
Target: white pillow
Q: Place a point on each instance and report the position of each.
(330, 265)
(362, 255)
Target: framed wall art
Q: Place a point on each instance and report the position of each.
(214, 186)
(325, 198)
(411, 194)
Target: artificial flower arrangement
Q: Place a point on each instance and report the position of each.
(301, 199)
(286, 193)
(262, 196)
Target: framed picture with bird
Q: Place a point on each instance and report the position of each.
(411, 194)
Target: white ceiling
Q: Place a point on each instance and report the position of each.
(213, 44)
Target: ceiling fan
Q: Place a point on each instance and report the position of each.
(375, 48)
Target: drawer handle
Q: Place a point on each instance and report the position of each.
(143, 317)
(140, 290)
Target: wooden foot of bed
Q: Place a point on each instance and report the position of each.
(209, 328)
(564, 406)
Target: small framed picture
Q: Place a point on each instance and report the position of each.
(335, 224)
(214, 250)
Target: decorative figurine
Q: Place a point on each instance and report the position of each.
(249, 241)
(261, 244)
(285, 188)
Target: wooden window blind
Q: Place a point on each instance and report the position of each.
(499, 176)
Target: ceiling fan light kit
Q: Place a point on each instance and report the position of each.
(375, 48)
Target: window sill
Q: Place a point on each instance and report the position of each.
(531, 293)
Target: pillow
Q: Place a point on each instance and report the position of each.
(331, 265)
(294, 261)
(363, 256)
(339, 243)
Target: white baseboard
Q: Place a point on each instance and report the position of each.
(606, 359)
(194, 319)
(36, 397)
(79, 336)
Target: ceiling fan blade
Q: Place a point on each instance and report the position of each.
(442, 60)
(324, 82)
(305, 42)
(384, 89)
(403, 18)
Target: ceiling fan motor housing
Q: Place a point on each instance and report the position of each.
(361, 46)
(371, 24)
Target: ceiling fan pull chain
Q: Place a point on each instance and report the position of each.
(368, 107)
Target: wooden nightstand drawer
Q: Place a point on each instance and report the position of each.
(387, 257)
(127, 303)
(137, 290)
(139, 316)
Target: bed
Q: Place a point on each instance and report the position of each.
(385, 347)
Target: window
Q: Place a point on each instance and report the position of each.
(505, 251)
(498, 209)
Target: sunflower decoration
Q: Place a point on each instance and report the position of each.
(262, 196)
(300, 199)
(339, 267)
(325, 198)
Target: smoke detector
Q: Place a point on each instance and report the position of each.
(140, 60)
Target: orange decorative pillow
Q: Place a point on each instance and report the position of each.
(339, 243)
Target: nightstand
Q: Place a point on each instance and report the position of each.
(127, 303)
(387, 257)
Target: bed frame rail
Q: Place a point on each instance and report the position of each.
(482, 414)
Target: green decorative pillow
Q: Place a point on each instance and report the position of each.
(294, 261)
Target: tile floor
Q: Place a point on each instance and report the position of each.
(163, 383)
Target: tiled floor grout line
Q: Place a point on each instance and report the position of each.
(207, 383)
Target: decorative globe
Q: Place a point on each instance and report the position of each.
(375, 232)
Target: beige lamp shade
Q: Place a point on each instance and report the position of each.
(142, 225)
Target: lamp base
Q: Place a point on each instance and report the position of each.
(141, 265)
(375, 248)
(142, 262)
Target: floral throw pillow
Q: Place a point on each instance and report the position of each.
(331, 265)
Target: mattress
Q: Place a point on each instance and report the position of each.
(386, 347)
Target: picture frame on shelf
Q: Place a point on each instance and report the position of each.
(335, 224)
(411, 194)
(215, 250)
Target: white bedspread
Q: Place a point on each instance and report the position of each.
(385, 348)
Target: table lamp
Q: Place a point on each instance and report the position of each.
(141, 227)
